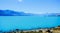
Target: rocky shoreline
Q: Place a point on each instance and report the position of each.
(45, 30)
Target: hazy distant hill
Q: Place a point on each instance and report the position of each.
(53, 14)
(13, 13)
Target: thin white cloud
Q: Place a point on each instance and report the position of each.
(20, 0)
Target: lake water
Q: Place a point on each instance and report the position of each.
(27, 22)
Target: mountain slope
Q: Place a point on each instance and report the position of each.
(13, 13)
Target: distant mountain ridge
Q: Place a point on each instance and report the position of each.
(13, 13)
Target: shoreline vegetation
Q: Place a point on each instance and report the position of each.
(41, 30)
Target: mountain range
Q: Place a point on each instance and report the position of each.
(15, 13)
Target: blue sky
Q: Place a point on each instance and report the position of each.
(31, 6)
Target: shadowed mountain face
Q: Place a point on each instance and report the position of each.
(13, 13)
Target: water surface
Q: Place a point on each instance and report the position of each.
(27, 22)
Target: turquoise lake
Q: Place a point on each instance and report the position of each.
(27, 22)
